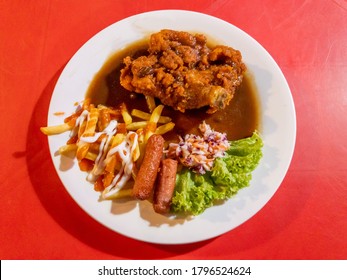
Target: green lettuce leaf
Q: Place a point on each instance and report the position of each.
(195, 193)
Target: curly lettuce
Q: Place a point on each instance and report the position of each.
(194, 193)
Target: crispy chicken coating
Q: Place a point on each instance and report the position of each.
(184, 73)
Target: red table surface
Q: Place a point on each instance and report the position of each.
(305, 219)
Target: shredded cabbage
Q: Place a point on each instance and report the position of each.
(194, 193)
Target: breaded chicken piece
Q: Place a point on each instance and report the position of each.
(184, 73)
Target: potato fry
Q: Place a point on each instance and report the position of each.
(73, 116)
(135, 149)
(91, 156)
(117, 139)
(145, 116)
(104, 118)
(85, 164)
(82, 128)
(140, 114)
(150, 103)
(136, 154)
(141, 135)
(164, 128)
(122, 128)
(82, 151)
(137, 125)
(111, 164)
(94, 147)
(72, 140)
(92, 120)
(125, 114)
(134, 172)
(164, 119)
(122, 193)
(86, 104)
(142, 149)
(98, 185)
(115, 114)
(56, 129)
(67, 149)
(108, 178)
(152, 123)
(150, 129)
(156, 113)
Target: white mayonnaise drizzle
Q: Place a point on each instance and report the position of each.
(125, 150)
(99, 165)
(79, 121)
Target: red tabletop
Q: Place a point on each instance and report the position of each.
(305, 219)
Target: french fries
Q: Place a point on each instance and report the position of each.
(126, 116)
(92, 121)
(146, 116)
(137, 125)
(56, 129)
(109, 144)
(150, 103)
(164, 128)
(152, 122)
(156, 114)
(63, 150)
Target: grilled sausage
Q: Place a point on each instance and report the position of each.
(165, 186)
(148, 171)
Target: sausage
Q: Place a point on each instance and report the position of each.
(148, 171)
(165, 186)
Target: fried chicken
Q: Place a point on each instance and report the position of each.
(184, 73)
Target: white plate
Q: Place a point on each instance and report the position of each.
(138, 220)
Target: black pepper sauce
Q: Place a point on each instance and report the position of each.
(238, 120)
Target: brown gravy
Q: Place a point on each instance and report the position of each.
(239, 119)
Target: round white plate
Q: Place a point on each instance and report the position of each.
(138, 220)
